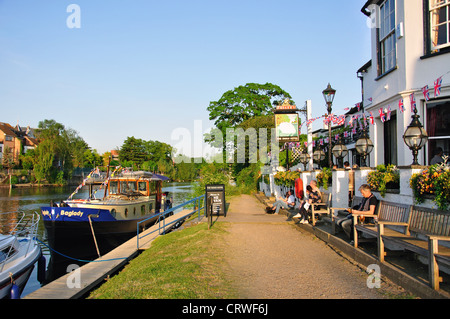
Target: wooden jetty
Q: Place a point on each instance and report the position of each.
(93, 273)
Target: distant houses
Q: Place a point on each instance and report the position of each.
(15, 141)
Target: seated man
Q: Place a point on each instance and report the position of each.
(287, 203)
(368, 207)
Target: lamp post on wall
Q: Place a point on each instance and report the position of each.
(340, 150)
(329, 94)
(319, 156)
(364, 146)
(304, 157)
(415, 136)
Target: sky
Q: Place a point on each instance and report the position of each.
(149, 69)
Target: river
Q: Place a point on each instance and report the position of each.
(32, 199)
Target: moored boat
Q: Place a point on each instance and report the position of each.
(84, 229)
(19, 251)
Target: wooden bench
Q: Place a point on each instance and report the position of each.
(322, 208)
(339, 213)
(426, 228)
(411, 228)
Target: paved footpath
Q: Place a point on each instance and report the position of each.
(268, 257)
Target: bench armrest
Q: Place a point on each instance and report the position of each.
(385, 222)
(338, 208)
(443, 238)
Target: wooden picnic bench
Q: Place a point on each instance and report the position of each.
(411, 228)
(322, 208)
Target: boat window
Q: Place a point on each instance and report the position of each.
(152, 187)
(126, 212)
(143, 210)
(113, 187)
(127, 186)
(142, 186)
(113, 213)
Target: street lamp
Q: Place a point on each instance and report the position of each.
(340, 150)
(329, 94)
(415, 136)
(364, 146)
(319, 155)
(304, 157)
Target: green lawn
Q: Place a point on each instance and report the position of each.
(183, 264)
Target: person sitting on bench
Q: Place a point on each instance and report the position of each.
(367, 207)
(313, 197)
(287, 203)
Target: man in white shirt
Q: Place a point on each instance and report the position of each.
(287, 203)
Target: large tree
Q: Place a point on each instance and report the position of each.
(245, 102)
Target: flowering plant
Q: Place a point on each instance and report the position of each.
(323, 178)
(383, 176)
(435, 181)
(286, 178)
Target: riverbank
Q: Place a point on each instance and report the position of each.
(248, 254)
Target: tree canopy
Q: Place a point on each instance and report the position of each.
(245, 102)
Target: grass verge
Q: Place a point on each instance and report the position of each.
(180, 265)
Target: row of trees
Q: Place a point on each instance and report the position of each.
(61, 150)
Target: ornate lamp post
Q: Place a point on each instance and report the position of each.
(319, 156)
(340, 150)
(415, 136)
(329, 94)
(364, 146)
(304, 157)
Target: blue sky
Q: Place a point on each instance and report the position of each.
(145, 68)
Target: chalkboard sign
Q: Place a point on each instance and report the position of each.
(215, 199)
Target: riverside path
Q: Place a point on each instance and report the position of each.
(268, 257)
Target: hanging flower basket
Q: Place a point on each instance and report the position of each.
(384, 178)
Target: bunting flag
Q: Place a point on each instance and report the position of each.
(354, 131)
(426, 93)
(413, 102)
(372, 120)
(347, 109)
(358, 105)
(437, 87)
(388, 114)
(401, 106)
(382, 116)
(346, 134)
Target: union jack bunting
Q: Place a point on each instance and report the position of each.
(358, 105)
(354, 131)
(388, 114)
(401, 106)
(321, 141)
(412, 98)
(426, 93)
(382, 116)
(437, 87)
(346, 134)
(372, 120)
(336, 137)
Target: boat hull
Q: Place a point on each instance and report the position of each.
(74, 238)
(21, 276)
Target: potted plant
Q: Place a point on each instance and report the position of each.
(383, 178)
(324, 178)
(433, 182)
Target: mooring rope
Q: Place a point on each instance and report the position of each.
(76, 259)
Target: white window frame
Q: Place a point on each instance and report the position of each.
(431, 8)
(386, 34)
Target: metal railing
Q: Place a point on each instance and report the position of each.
(20, 225)
(162, 216)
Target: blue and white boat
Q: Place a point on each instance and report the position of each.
(19, 251)
(85, 229)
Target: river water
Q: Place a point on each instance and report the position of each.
(32, 199)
